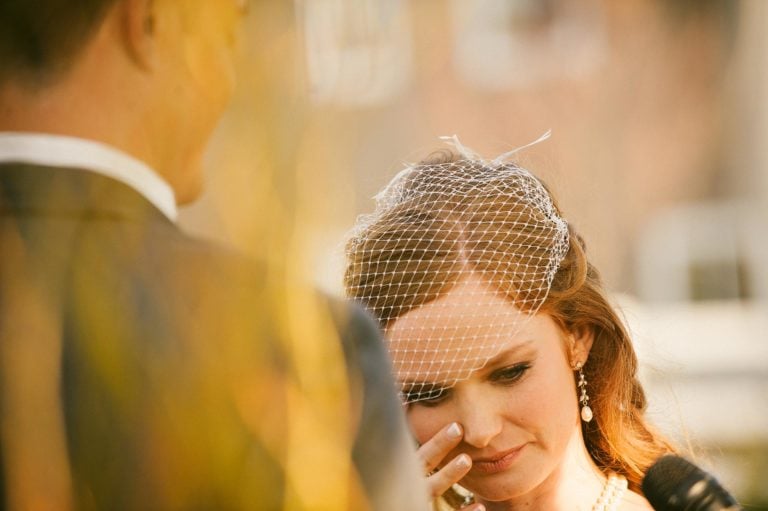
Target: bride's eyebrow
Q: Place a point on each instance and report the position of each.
(509, 353)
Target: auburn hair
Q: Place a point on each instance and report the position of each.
(618, 438)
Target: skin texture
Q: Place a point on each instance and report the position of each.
(522, 402)
(200, 84)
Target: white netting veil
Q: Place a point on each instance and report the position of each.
(457, 255)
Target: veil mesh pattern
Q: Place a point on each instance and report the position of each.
(434, 226)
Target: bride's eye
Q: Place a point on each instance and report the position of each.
(427, 398)
(511, 374)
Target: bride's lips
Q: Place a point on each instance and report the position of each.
(497, 462)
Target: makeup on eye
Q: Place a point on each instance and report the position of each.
(507, 368)
(512, 364)
(505, 375)
(510, 374)
(435, 398)
(415, 393)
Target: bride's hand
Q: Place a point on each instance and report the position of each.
(432, 453)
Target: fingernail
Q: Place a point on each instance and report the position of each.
(463, 461)
(480, 507)
(454, 431)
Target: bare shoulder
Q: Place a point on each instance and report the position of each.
(634, 502)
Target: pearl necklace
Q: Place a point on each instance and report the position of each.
(613, 490)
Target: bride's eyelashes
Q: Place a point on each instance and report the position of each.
(429, 399)
(505, 376)
(511, 374)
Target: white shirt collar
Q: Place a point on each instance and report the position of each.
(78, 153)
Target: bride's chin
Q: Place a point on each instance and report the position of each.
(509, 485)
(491, 493)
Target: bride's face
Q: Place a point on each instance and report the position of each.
(519, 411)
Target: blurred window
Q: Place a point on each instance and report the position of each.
(705, 251)
(502, 44)
(358, 51)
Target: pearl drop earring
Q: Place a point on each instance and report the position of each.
(586, 411)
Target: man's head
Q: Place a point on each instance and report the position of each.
(39, 39)
(150, 77)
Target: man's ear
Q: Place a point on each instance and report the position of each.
(138, 23)
(580, 343)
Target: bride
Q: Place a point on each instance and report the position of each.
(517, 374)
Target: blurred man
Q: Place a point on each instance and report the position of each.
(141, 368)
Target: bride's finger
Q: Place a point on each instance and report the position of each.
(439, 482)
(436, 448)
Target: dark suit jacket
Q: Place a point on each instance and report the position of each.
(173, 372)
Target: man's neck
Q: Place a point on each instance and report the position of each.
(58, 111)
(103, 96)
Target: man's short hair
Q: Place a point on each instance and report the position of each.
(39, 39)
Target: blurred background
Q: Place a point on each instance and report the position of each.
(659, 118)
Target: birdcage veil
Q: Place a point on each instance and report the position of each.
(435, 226)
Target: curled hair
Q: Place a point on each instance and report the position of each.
(618, 438)
(413, 252)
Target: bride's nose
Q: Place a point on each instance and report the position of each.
(481, 416)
